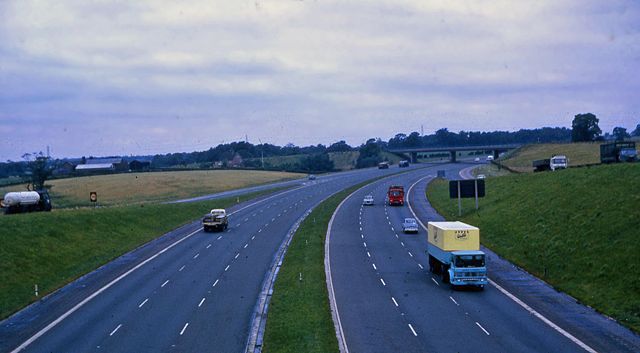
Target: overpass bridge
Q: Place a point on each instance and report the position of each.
(452, 150)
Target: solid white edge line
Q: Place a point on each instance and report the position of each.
(412, 330)
(508, 294)
(335, 314)
(544, 319)
(115, 330)
(482, 328)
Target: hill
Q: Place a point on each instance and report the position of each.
(575, 228)
(579, 154)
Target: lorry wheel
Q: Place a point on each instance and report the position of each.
(445, 274)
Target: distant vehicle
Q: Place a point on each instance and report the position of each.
(477, 159)
(312, 177)
(403, 164)
(410, 225)
(396, 195)
(553, 163)
(26, 201)
(368, 200)
(383, 165)
(480, 176)
(489, 158)
(217, 219)
(618, 152)
(454, 253)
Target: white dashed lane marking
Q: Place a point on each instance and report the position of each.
(202, 301)
(115, 330)
(143, 303)
(164, 284)
(482, 328)
(184, 328)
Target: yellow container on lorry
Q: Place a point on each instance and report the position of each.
(454, 236)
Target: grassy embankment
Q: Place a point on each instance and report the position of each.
(341, 160)
(299, 314)
(52, 249)
(577, 229)
(130, 188)
(578, 154)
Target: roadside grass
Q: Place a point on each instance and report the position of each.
(578, 154)
(577, 229)
(490, 170)
(299, 317)
(53, 249)
(131, 188)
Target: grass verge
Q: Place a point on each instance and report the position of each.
(577, 229)
(53, 249)
(131, 188)
(299, 314)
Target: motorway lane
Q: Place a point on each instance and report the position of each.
(429, 316)
(199, 295)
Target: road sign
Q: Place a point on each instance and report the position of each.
(93, 196)
(467, 188)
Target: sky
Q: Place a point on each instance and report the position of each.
(99, 78)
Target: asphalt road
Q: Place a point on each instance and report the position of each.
(188, 291)
(388, 301)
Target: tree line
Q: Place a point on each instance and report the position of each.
(315, 158)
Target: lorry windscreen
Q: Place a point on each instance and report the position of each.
(469, 261)
(559, 161)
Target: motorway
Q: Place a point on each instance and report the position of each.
(386, 300)
(188, 291)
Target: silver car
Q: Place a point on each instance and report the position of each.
(368, 200)
(410, 225)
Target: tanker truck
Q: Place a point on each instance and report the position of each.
(26, 201)
(454, 253)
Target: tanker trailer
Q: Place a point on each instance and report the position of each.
(26, 201)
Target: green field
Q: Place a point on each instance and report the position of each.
(53, 249)
(130, 188)
(581, 153)
(577, 229)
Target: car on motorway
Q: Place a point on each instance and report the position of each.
(311, 177)
(410, 225)
(217, 219)
(368, 200)
(489, 158)
(481, 176)
(477, 159)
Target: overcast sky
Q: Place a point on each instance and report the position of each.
(144, 77)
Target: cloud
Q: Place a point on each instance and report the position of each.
(306, 71)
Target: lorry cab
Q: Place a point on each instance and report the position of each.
(558, 162)
(468, 268)
(628, 155)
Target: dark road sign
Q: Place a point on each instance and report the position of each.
(467, 188)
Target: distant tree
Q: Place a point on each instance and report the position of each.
(369, 154)
(317, 162)
(585, 128)
(340, 146)
(413, 140)
(636, 132)
(620, 133)
(39, 168)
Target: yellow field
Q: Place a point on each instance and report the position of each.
(578, 154)
(128, 188)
